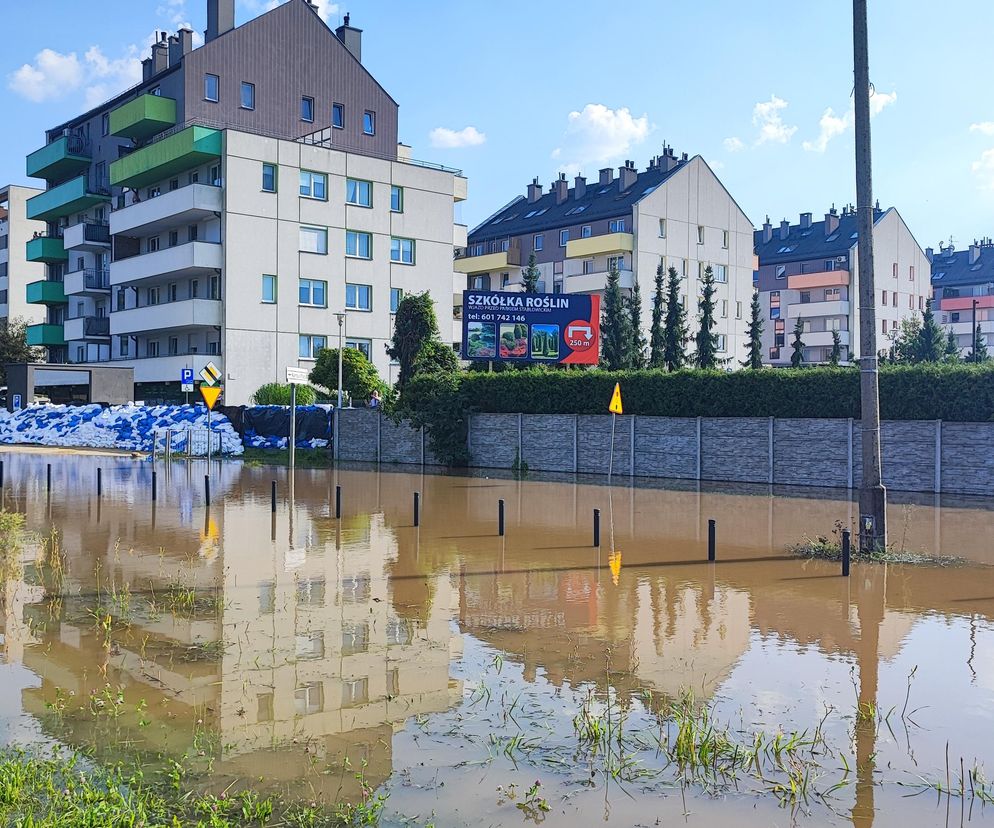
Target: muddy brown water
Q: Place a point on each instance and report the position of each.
(452, 668)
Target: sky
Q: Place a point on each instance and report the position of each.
(511, 90)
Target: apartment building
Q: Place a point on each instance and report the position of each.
(16, 271)
(963, 291)
(808, 271)
(237, 205)
(675, 212)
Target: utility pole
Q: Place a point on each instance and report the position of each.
(975, 357)
(872, 494)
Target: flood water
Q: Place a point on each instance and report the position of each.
(452, 668)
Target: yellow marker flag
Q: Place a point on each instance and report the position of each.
(614, 563)
(615, 406)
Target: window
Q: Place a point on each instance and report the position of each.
(153, 244)
(720, 341)
(364, 346)
(358, 192)
(700, 234)
(721, 273)
(358, 297)
(215, 287)
(172, 346)
(307, 109)
(268, 289)
(883, 325)
(173, 238)
(173, 184)
(396, 199)
(774, 354)
(105, 124)
(617, 226)
(248, 95)
(724, 309)
(616, 263)
(738, 310)
(269, 178)
(537, 241)
(893, 299)
(833, 324)
(921, 303)
(805, 297)
(563, 237)
(781, 271)
(192, 233)
(310, 344)
(895, 270)
(195, 289)
(402, 250)
(313, 292)
(833, 294)
(359, 245)
(585, 231)
(313, 185)
(779, 333)
(172, 292)
(153, 192)
(911, 273)
(885, 297)
(313, 240)
(216, 175)
(700, 271)
(662, 228)
(152, 349)
(338, 115)
(396, 294)
(369, 122)
(309, 698)
(355, 691)
(588, 266)
(724, 239)
(124, 344)
(212, 84)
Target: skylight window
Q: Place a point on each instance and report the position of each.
(832, 238)
(648, 190)
(574, 210)
(975, 267)
(938, 276)
(530, 213)
(786, 250)
(543, 210)
(497, 220)
(855, 235)
(601, 192)
(806, 233)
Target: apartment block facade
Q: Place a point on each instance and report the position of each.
(808, 271)
(16, 271)
(963, 291)
(235, 205)
(675, 212)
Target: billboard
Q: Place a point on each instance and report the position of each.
(531, 327)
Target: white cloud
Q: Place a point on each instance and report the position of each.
(54, 76)
(597, 134)
(767, 116)
(983, 169)
(443, 138)
(984, 127)
(832, 125)
(734, 144)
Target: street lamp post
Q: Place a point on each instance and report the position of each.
(341, 334)
(974, 357)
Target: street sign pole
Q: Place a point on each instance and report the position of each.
(615, 408)
(293, 426)
(208, 441)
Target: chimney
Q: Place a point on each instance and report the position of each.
(579, 187)
(560, 188)
(534, 191)
(160, 55)
(667, 161)
(606, 177)
(929, 253)
(831, 221)
(180, 44)
(784, 230)
(805, 221)
(974, 252)
(351, 37)
(220, 18)
(627, 175)
(767, 231)
(146, 69)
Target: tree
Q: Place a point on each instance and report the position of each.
(616, 326)
(437, 357)
(707, 340)
(905, 341)
(14, 345)
(530, 276)
(755, 333)
(637, 352)
(415, 337)
(833, 360)
(930, 339)
(951, 351)
(797, 357)
(656, 345)
(978, 353)
(675, 327)
(359, 377)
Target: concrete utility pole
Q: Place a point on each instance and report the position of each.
(872, 494)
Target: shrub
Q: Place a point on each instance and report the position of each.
(276, 393)
(359, 377)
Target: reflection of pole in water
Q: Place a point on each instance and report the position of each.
(870, 609)
(291, 506)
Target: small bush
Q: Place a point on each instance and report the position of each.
(276, 393)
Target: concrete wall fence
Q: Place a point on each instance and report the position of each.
(918, 456)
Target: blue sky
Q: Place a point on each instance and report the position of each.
(506, 91)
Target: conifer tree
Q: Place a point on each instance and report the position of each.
(616, 326)
(656, 339)
(675, 327)
(707, 341)
(833, 360)
(978, 353)
(530, 276)
(930, 345)
(636, 355)
(754, 359)
(797, 357)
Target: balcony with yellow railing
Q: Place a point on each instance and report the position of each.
(825, 278)
(489, 262)
(600, 245)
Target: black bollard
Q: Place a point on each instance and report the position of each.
(711, 549)
(1, 474)
(846, 551)
(155, 487)
(338, 502)
(417, 508)
(100, 481)
(500, 518)
(207, 489)
(597, 527)
(48, 476)
(272, 499)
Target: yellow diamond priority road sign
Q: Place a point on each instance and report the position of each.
(211, 374)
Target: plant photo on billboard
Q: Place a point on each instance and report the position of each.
(545, 342)
(513, 340)
(482, 341)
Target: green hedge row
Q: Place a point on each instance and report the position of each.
(442, 402)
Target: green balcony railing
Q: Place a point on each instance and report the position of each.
(46, 335)
(63, 157)
(71, 197)
(143, 117)
(46, 249)
(186, 149)
(46, 293)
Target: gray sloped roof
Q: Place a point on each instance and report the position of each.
(807, 243)
(955, 268)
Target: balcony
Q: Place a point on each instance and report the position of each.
(965, 328)
(47, 249)
(46, 293)
(87, 327)
(965, 303)
(489, 262)
(175, 208)
(89, 281)
(459, 232)
(460, 188)
(72, 197)
(167, 368)
(68, 155)
(90, 238)
(600, 245)
(181, 151)
(143, 117)
(595, 282)
(815, 339)
(48, 336)
(188, 313)
(826, 278)
(191, 259)
(806, 310)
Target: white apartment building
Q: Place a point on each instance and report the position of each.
(16, 271)
(676, 213)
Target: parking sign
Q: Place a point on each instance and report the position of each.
(186, 379)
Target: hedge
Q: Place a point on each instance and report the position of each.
(442, 402)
